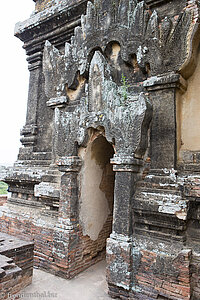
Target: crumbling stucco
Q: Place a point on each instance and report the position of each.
(189, 109)
(73, 93)
(94, 205)
(115, 52)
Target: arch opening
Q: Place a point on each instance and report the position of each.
(96, 196)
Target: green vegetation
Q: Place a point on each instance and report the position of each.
(125, 87)
(3, 188)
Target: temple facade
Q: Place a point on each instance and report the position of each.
(110, 157)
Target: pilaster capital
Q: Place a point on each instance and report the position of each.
(34, 60)
(69, 164)
(126, 163)
(29, 135)
(57, 102)
(166, 81)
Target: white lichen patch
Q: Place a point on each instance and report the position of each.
(46, 189)
(171, 173)
(120, 267)
(145, 243)
(28, 214)
(182, 214)
(168, 203)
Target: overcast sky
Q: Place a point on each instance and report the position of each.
(14, 78)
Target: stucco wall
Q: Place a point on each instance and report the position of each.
(95, 205)
(188, 114)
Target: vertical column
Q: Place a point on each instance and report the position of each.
(119, 245)
(126, 170)
(68, 209)
(66, 235)
(37, 132)
(162, 91)
(29, 131)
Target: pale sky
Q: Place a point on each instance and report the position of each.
(14, 78)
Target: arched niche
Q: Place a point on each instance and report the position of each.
(96, 193)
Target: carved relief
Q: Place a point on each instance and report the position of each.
(124, 114)
(138, 32)
(95, 83)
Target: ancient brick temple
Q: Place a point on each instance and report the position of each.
(110, 157)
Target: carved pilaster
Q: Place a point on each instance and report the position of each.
(30, 131)
(120, 242)
(68, 209)
(162, 91)
(126, 174)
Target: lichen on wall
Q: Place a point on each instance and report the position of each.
(43, 4)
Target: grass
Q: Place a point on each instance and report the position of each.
(125, 87)
(3, 188)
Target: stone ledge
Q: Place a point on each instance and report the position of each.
(70, 11)
(153, 3)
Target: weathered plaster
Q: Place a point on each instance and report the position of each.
(115, 52)
(94, 206)
(47, 189)
(74, 93)
(189, 110)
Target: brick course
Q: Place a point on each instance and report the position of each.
(16, 265)
(60, 252)
(3, 199)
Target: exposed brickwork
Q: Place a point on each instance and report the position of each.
(3, 199)
(10, 277)
(156, 274)
(16, 265)
(61, 253)
(42, 4)
(174, 280)
(195, 274)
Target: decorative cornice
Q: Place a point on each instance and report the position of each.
(59, 102)
(166, 81)
(126, 164)
(153, 3)
(55, 23)
(155, 42)
(49, 14)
